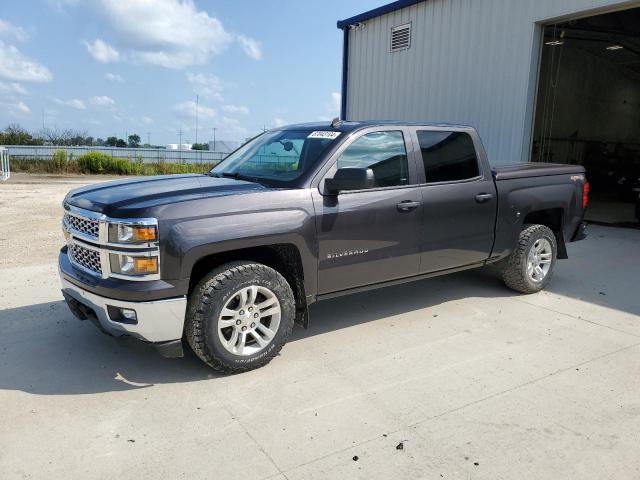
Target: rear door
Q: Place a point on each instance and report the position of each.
(459, 198)
(370, 236)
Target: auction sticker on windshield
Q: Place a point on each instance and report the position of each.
(324, 134)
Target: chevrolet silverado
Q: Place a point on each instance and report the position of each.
(229, 260)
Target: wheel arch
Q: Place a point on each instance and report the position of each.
(554, 219)
(285, 258)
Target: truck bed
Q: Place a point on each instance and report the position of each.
(534, 169)
(533, 187)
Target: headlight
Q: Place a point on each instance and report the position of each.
(124, 233)
(133, 265)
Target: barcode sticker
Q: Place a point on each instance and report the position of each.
(324, 134)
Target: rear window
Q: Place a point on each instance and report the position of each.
(448, 156)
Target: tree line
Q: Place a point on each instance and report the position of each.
(14, 134)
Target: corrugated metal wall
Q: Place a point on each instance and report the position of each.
(471, 61)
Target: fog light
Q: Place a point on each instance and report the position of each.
(122, 315)
(128, 314)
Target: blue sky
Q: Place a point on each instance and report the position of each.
(112, 67)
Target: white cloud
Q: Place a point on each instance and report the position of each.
(102, 51)
(114, 77)
(76, 103)
(169, 33)
(17, 107)
(12, 88)
(231, 128)
(102, 101)
(206, 84)
(16, 66)
(230, 122)
(147, 120)
(73, 103)
(20, 106)
(332, 107)
(8, 30)
(279, 122)
(240, 109)
(251, 47)
(60, 4)
(14, 107)
(188, 109)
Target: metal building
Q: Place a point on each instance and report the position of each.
(546, 80)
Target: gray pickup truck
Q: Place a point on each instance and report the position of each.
(229, 260)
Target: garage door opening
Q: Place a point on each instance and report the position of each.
(588, 108)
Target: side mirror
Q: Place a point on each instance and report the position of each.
(350, 178)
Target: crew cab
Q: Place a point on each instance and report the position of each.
(229, 260)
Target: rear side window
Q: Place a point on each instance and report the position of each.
(382, 152)
(448, 156)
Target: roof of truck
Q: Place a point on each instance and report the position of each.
(347, 126)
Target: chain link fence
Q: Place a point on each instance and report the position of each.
(148, 155)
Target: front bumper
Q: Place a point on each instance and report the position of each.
(160, 321)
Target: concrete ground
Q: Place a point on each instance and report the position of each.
(453, 377)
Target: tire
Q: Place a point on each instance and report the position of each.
(515, 271)
(210, 330)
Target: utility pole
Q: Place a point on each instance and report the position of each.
(180, 144)
(43, 119)
(214, 138)
(149, 138)
(197, 102)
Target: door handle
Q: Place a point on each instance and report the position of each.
(407, 206)
(484, 197)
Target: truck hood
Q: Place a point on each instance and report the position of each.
(129, 198)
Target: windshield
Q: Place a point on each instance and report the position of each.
(278, 157)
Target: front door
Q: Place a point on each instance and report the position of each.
(371, 235)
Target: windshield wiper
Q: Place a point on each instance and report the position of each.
(238, 176)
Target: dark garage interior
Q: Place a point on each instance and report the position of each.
(588, 108)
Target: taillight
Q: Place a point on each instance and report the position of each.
(585, 195)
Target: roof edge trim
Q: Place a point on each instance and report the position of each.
(376, 12)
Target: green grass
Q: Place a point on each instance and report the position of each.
(98, 163)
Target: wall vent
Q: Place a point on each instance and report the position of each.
(401, 37)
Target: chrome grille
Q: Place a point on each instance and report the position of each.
(84, 257)
(83, 225)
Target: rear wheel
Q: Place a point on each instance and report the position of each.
(239, 316)
(529, 268)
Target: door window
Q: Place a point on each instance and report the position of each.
(448, 156)
(384, 153)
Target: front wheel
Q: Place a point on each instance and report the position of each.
(529, 267)
(239, 316)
